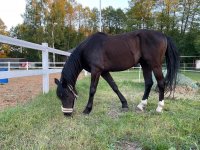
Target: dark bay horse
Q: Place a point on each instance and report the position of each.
(100, 54)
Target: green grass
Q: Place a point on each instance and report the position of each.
(40, 124)
(193, 75)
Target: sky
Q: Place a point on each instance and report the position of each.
(11, 10)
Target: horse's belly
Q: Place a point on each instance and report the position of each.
(120, 55)
(119, 63)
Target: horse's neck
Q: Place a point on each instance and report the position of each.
(72, 70)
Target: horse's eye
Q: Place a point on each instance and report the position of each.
(62, 95)
(59, 94)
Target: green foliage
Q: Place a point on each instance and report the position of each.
(113, 20)
(4, 48)
(40, 124)
(3, 28)
(140, 14)
(52, 22)
(64, 24)
(178, 19)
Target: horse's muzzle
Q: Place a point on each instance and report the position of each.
(67, 111)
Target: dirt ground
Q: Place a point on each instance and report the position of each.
(20, 90)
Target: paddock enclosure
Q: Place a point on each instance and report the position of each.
(38, 123)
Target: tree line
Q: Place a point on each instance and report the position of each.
(65, 23)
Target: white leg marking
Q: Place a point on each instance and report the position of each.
(159, 109)
(142, 105)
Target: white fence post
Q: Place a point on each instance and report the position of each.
(8, 66)
(45, 67)
(27, 65)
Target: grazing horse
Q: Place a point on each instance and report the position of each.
(101, 54)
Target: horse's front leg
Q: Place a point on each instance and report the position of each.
(93, 86)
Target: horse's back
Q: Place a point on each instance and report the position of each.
(120, 52)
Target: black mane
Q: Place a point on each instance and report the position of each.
(73, 65)
(72, 68)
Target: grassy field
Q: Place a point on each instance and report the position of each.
(193, 75)
(40, 124)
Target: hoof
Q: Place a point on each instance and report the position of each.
(125, 109)
(87, 110)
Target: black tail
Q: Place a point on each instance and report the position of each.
(172, 62)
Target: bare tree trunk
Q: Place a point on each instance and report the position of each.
(183, 16)
(195, 10)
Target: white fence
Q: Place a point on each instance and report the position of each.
(191, 65)
(59, 65)
(45, 71)
(29, 65)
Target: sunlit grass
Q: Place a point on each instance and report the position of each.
(40, 123)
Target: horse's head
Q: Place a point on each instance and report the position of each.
(67, 95)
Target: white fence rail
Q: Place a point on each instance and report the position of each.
(59, 65)
(29, 65)
(45, 71)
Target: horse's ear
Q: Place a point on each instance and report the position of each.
(56, 81)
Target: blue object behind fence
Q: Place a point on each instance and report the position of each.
(3, 81)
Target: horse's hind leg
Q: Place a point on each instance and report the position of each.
(147, 73)
(113, 85)
(161, 85)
